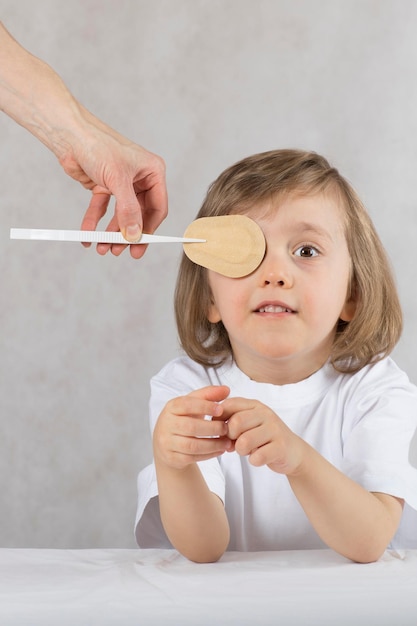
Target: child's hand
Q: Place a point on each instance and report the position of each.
(259, 433)
(182, 436)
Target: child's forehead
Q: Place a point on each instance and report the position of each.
(267, 208)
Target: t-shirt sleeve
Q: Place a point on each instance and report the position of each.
(381, 429)
(376, 447)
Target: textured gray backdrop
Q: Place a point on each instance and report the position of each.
(202, 83)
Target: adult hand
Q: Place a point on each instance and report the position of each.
(91, 152)
(109, 164)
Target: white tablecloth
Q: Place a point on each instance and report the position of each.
(146, 587)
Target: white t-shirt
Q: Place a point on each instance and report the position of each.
(362, 423)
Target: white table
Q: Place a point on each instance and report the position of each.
(146, 587)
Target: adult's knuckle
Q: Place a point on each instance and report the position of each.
(160, 163)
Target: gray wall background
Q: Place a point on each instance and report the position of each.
(203, 83)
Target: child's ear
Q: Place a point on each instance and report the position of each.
(349, 308)
(348, 311)
(213, 314)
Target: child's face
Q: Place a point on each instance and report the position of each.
(281, 319)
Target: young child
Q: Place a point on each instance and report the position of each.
(311, 421)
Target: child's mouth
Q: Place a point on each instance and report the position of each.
(271, 308)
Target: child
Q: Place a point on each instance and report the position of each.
(311, 420)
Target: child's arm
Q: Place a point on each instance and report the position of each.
(348, 518)
(193, 517)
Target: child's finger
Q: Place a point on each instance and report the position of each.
(192, 427)
(216, 393)
(231, 406)
(199, 447)
(200, 403)
(188, 406)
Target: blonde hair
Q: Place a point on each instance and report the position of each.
(377, 323)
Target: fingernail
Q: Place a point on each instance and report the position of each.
(132, 232)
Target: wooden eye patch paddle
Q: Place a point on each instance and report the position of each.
(235, 244)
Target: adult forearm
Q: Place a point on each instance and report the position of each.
(349, 519)
(193, 517)
(35, 96)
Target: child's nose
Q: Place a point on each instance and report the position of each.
(275, 270)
